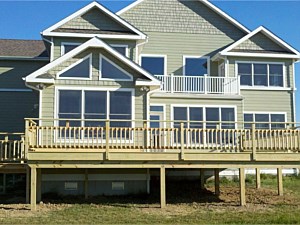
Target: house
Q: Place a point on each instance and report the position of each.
(155, 86)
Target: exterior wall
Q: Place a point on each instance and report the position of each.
(176, 28)
(94, 19)
(259, 42)
(58, 41)
(267, 100)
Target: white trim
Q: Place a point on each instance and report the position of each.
(93, 43)
(207, 3)
(48, 31)
(264, 88)
(40, 106)
(284, 87)
(272, 36)
(155, 56)
(130, 77)
(121, 46)
(102, 36)
(184, 57)
(62, 46)
(15, 90)
(294, 94)
(89, 56)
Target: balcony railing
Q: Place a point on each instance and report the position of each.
(199, 84)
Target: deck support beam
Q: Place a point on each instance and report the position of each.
(202, 179)
(39, 185)
(86, 184)
(162, 187)
(33, 189)
(258, 182)
(27, 185)
(242, 187)
(279, 181)
(217, 182)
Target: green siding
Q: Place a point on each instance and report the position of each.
(15, 106)
(12, 72)
(259, 42)
(95, 19)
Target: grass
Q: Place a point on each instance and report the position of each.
(186, 205)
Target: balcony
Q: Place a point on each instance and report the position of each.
(199, 84)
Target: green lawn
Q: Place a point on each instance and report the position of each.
(186, 205)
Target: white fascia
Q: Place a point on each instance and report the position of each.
(102, 36)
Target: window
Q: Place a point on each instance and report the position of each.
(121, 49)
(110, 70)
(264, 120)
(81, 69)
(195, 66)
(155, 65)
(261, 74)
(67, 47)
(96, 105)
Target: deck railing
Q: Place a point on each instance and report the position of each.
(199, 84)
(12, 147)
(146, 139)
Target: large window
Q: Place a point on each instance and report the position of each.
(109, 70)
(195, 66)
(96, 105)
(155, 65)
(79, 70)
(261, 74)
(264, 120)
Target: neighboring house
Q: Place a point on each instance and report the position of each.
(185, 66)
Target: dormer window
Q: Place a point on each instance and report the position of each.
(67, 47)
(109, 70)
(79, 70)
(122, 49)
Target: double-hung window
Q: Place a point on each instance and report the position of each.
(264, 120)
(261, 74)
(154, 64)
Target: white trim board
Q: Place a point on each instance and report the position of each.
(49, 31)
(205, 2)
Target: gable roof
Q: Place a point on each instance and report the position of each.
(205, 2)
(54, 30)
(31, 49)
(289, 53)
(39, 75)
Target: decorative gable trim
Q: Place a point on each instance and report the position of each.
(294, 53)
(205, 2)
(93, 43)
(49, 31)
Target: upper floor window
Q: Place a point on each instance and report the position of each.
(264, 120)
(261, 74)
(122, 49)
(195, 65)
(68, 46)
(154, 64)
(79, 70)
(109, 70)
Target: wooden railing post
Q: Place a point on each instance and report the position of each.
(254, 147)
(107, 139)
(146, 136)
(27, 139)
(182, 140)
(172, 82)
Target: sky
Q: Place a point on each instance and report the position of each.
(26, 19)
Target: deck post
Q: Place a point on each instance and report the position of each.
(217, 181)
(27, 185)
(107, 139)
(279, 181)
(148, 181)
(253, 142)
(4, 183)
(162, 187)
(182, 140)
(86, 184)
(257, 173)
(39, 185)
(172, 82)
(242, 187)
(202, 178)
(33, 189)
(146, 136)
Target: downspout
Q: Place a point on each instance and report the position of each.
(51, 47)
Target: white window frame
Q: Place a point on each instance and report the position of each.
(184, 57)
(263, 112)
(155, 56)
(257, 87)
(101, 56)
(121, 46)
(89, 56)
(62, 46)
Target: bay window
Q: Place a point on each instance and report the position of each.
(261, 74)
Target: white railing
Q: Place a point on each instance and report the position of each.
(199, 84)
